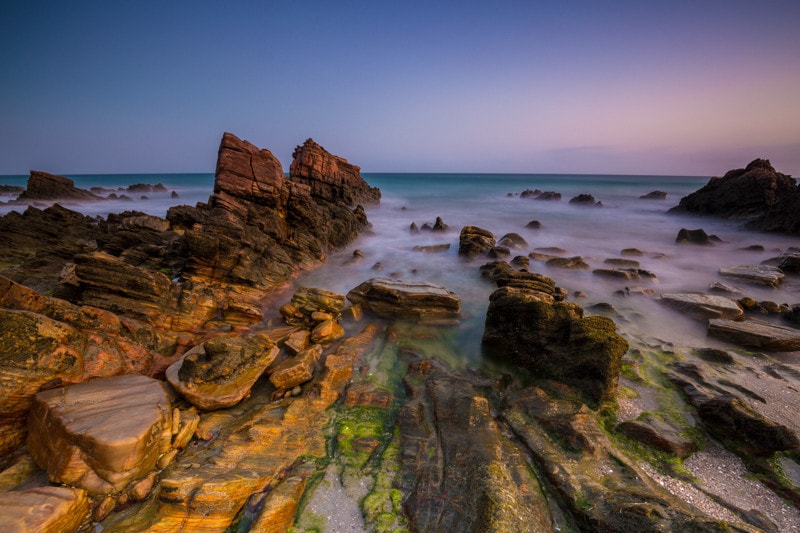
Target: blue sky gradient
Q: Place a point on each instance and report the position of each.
(569, 86)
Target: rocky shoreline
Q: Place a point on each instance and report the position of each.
(156, 376)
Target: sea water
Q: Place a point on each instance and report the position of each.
(493, 202)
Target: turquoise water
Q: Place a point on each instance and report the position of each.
(492, 202)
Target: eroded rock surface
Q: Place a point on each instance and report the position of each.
(101, 435)
(44, 510)
(410, 300)
(704, 305)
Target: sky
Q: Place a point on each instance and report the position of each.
(569, 86)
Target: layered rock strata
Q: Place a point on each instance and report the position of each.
(398, 299)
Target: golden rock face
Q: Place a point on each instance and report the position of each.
(101, 435)
(44, 509)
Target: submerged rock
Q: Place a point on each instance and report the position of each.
(695, 236)
(549, 195)
(409, 300)
(585, 199)
(475, 241)
(654, 195)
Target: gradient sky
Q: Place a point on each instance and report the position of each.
(647, 87)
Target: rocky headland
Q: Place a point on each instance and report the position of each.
(163, 374)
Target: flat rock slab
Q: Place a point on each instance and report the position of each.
(758, 274)
(756, 334)
(704, 305)
(413, 300)
(43, 510)
(103, 434)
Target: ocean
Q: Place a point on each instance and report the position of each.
(493, 202)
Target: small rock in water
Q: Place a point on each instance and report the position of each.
(534, 224)
(696, 236)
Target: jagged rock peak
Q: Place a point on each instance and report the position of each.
(245, 171)
(330, 177)
(763, 164)
(44, 186)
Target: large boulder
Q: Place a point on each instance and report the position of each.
(220, 372)
(44, 186)
(767, 199)
(554, 340)
(475, 241)
(406, 300)
(101, 435)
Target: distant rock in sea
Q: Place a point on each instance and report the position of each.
(44, 186)
(767, 199)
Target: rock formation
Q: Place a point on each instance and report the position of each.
(474, 241)
(405, 300)
(767, 199)
(553, 339)
(44, 186)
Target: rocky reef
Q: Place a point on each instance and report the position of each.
(165, 375)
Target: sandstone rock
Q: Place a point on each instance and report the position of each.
(145, 222)
(433, 248)
(44, 510)
(528, 193)
(654, 195)
(572, 263)
(220, 372)
(297, 341)
(704, 305)
(622, 263)
(512, 240)
(631, 252)
(499, 251)
(330, 177)
(326, 332)
(447, 432)
(46, 342)
(296, 370)
(790, 264)
(717, 286)
(756, 334)
(695, 236)
(553, 340)
(474, 241)
(626, 274)
(406, 300)
(724, 403)
(757, 274)
(101, 435)
(44, 186)
(503, 275)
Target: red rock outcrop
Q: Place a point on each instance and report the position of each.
(330, 177)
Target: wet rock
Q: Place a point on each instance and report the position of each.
(790, 264)
(654, 195)
(549, 195)
(757, 274)
(409, 300)
(499, 251)
(656, 433)
(44, 186)
(326, 332)
(512, 240)
(756, 334)
(534, 224)
(296, 370)
(715, 355)
(439, 225)
(219, 373)
(447, 432)
(723, 406)
(308, 300)
(413, 228)
(505, 276)
(696, 236)
(297, 341)
(46, 342)
(101, 435)
(572, 263)
(474, 241)
(704, 305)
(602, 489)
(44, 510)
(585, 199)
(622, 263)
(752, 248)
(521, 261)
(632, 252)
(554, 340)
(433, 248)
(718, 286)
(530, 193)
(626, 274)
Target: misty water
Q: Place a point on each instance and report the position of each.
(493, 202)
